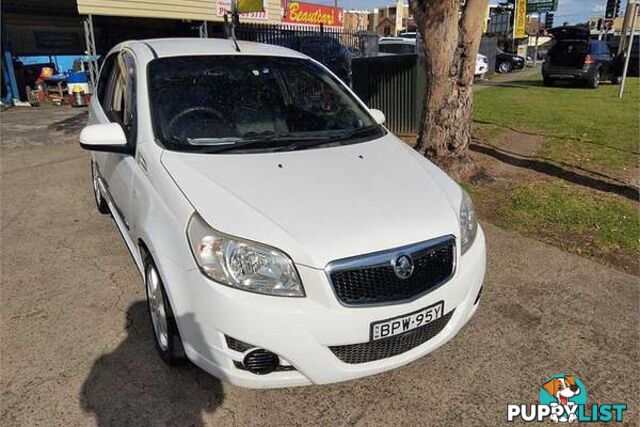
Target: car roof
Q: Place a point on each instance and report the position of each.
(170, 47)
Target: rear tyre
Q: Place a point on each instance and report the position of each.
(616, 80)
(594, 81)
(163, 323)
(547, 81)
(101, 202)
(505, 67)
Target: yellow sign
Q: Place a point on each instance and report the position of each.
(250, 6)
(521, 19)
(487, 16)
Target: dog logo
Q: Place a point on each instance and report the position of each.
(567, 394)
(403, 267)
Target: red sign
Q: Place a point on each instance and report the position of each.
(297, 12)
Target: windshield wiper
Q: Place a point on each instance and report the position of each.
(357, 133)
(342, 138)
(274, 141)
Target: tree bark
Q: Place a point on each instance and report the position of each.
(451, 36)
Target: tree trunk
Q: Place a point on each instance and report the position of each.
(451, 36)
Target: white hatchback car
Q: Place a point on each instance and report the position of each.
(285, 237)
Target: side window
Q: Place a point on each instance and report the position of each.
(103, 80)
(120, 99)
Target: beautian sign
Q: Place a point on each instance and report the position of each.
(313, 14)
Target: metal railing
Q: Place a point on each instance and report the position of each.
(394, 84)
(355, 42)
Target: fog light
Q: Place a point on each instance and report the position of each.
(261, 362)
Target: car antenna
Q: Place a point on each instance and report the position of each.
(235, 20)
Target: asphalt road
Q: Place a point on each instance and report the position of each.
(76, 347)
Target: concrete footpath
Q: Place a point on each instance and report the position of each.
(76, 344)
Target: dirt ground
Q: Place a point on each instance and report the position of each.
(76, 344)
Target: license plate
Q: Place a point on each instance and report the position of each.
(401, 324)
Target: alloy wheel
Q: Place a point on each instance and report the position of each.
(505, 67)
(96, 183)
(157, 307)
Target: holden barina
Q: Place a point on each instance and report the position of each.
(284, 236)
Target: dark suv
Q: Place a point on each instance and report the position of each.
(574, 56)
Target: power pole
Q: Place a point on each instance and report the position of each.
(632, 8)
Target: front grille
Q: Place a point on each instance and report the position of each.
(392, 346)
(362, 283)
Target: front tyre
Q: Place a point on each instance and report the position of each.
(505, 67)
(165, 330)
(101, 203)
(547, 81)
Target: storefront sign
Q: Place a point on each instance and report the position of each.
(313, 14)
(521, 19)
(224, 6)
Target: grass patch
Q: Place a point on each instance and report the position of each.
(582, 129)
(604, 222)
(585, 127)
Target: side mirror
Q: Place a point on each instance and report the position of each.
(378, 116)
(104, 137)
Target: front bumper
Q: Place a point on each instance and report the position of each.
(301, 330)
(481, 69)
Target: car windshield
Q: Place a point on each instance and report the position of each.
(239, 103)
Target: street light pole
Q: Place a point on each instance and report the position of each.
(632, 7)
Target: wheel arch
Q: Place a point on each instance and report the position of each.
(146, 255)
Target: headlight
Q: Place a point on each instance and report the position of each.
(242, 264)
(468, 223)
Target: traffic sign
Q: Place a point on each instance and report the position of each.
(537, 6)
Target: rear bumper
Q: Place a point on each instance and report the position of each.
(567, 73)
(302, 330)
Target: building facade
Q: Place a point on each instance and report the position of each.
(391, 20)
(356, 20)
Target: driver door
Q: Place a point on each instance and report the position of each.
(117, 105)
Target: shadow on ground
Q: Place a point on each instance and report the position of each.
(132, 386)
(71, 125)
(525, 84)
(578, 176)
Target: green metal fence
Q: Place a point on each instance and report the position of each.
(394, 84)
